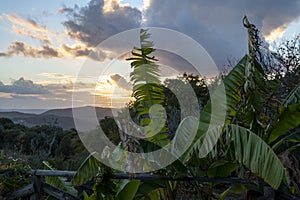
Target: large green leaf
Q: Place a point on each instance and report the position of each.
(235, 101)
(289, 115)
(157, 194)
(128, 189)
(184, 135)
(210, 125)
(59, 182)
(257, 155)
(87, 170)
(234, 83)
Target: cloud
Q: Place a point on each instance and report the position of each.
(23, 86)
(30, 27)
(121, 82)
(33, 34)
(217, 25)
(23, 93)
(79, 51)
(17, 48)
(97, 21)
(47, 51)
(29, 23)
(64, 9)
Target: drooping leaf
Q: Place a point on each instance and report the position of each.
(184, 135)
(257, 155)
(210, 125)
(128, 189)
(59, 182)
(234, 83)
(289, 115)
(235, 188)
(288, 141)
(87, 170)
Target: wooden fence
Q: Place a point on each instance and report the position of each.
(39, 186)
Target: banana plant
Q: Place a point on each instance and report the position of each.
(246, 137)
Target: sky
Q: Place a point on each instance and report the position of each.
(47, 45)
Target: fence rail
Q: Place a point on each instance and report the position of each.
(38, 185)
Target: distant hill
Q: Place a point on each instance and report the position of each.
(32, 111)
(64, 117)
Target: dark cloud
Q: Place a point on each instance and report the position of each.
(214, 24)
(64, 9)
(23, 86)
(17, 48)
(217, 25)
(46, 51)
(77, 51)
(121, 81)
(92, 24)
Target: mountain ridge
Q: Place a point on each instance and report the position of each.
(62, 117)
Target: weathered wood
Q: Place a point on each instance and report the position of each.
(23, 192)
(145, 177)
(57, 193)
(40, 172)
(154, 177)
(37, 188)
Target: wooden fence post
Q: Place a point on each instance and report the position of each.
(37, 188)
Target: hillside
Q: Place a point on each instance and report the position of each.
(63, 117)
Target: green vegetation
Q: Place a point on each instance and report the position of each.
(259, 141)
(62, 149)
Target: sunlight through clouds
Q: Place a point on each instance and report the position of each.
(47, 42)
(275, 34)
(118, 93)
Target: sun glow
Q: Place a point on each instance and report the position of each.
(108, 88)
(275, 34)
(109, 5)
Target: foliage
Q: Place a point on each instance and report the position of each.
(249, 94)
(248, 145)
(256, 155)
(62, 148)
(88, 169)
(288, 53)
(59, 182)
(288, 115)
(13, 176)
(111, 130)
(147, 90)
